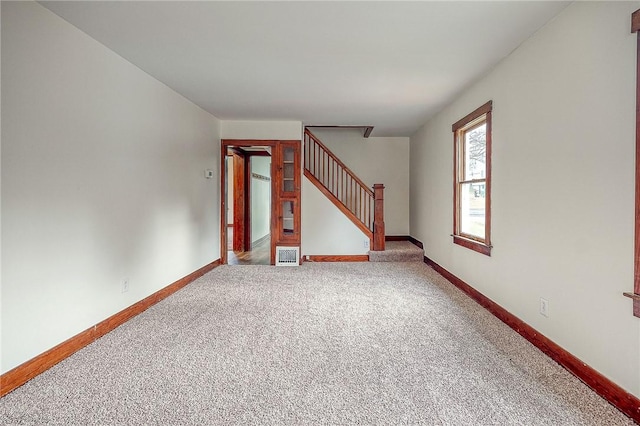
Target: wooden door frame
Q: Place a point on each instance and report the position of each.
(225, 145)
(239, 200)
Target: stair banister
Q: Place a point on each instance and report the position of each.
(340, 163)
(378, 221)
(362, 205)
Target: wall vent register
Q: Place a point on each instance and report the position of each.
(287, 256)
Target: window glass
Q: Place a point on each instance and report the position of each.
(472, 210)
(475, 149)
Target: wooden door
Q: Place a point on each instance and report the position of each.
(239, 190)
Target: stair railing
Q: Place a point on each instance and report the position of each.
(356, 200)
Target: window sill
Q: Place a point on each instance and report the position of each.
(472, 245)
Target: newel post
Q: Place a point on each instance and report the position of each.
(378, 217)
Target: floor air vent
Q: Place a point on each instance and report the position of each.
(287, 256)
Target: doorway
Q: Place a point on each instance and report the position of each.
(248, 201)
(260, 200)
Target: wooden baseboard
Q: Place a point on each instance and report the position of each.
(621, 399)
(337, 258)
(416, 242)
(26, 371)
(404, 238)
(396, 237)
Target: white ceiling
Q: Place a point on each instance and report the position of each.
(387, 64)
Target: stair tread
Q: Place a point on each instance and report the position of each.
(398, 251)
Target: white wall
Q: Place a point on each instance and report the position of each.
(102, 180)
(325, 229)
(265, 130)
(260, 198)
(376, 160)
(1, 298)
(563, 186)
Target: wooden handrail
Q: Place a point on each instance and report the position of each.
(362, 205)
(337, 160)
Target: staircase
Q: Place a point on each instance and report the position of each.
(364, 206)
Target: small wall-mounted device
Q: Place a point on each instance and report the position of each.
(208, 174)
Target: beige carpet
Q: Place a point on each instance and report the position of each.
(398, 251)
(344, 343)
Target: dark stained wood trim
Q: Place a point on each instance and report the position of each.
(614, 394)
(404, 238)
(396, 238)
(257, 154)
(472, 116)
(273, 226)
(121, 317)
(635, 26)
(416, 242)
(635, 21)
(337, 258)
(223, 203)
(378, 217)
(247, 203)
(28, 370)
(472, 245)
(232, 150)
(456, 201)
(239, 202)
(249, 142)
(487, 184)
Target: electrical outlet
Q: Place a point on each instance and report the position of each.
(544, 307)
(366, 243)
(125, 285)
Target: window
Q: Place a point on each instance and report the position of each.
(472, 186)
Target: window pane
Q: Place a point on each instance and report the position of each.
(475, 153)
(287, 217)
(288, 178)
(472, 209)
(288, 171)
(289, 185)
(288, 154)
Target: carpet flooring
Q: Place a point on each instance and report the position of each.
(398, 251)
(342, 343)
